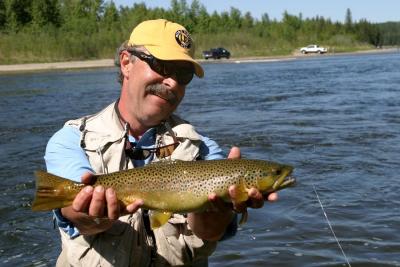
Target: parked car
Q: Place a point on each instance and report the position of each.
(313, 49)
(216, 53)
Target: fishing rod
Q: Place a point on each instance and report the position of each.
(330, 226)
(327, 219)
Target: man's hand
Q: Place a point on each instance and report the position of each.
(95, 209)
(256, 199)
(211, 225)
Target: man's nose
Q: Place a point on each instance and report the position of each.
(170, 82)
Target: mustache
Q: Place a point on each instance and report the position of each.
(163, 92)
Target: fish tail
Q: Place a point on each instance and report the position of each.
(52, 192)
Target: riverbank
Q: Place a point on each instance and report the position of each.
(105, 63)
(100, 63)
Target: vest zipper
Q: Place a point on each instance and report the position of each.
(103, 166)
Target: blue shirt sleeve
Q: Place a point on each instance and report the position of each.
(64, 157)
(209, 149)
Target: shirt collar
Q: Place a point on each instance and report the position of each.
(147, 140)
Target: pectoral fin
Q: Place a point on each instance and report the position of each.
(242, 195)
(158, 218)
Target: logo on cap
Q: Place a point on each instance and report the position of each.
(183, 38)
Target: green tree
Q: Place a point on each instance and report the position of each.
(17, 14)
(47, 30)
(216, 22)
(390, 33)
(290, 26)
(369, 33)
(2, 15)
(235, 19)
(82, 16)
(179, 11)
(203, 21)
(193, 16)
(111, 19)
(132, 16)
(248, 21)
(45, 12)
(261, 28)
(348, 21)
(265, 19)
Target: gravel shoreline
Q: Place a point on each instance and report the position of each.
(100, 63)
(104, 63)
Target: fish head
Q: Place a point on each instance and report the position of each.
(275, 176)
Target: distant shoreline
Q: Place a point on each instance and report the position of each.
(16, 68)
(106, 63)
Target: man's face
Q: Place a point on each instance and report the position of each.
(150, 96)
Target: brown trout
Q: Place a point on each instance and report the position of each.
(171, 186)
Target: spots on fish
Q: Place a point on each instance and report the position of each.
(200, 177)
(178, 186)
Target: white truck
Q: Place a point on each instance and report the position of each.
(313, 49)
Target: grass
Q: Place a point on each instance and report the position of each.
(53, 46)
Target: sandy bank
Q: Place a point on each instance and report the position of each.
(100, 63)
(103, 63)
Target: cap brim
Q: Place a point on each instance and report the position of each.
(172, 54)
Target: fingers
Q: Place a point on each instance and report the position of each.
(272, 197)
(82, 200)
(112, 204)
(217, 204)
(94, 209)
(238, 205)
(88, 178)
(98, 203)
(255, 199)
(133, 207)
(234, 153)
(101, 202)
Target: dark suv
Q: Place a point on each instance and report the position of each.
(216, 53)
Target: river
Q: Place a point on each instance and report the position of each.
(336, 119)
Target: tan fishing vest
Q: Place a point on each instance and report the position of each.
(127, 243)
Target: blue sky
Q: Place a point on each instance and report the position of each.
(372, 10)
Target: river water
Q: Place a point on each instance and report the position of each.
(336, 119)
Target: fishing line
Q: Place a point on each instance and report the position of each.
(330, 226)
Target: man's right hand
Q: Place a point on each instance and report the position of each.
(95, 209)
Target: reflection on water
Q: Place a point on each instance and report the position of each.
(336, 119)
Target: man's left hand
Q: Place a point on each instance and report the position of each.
(211, 225)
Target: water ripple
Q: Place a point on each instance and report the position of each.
(338, 126)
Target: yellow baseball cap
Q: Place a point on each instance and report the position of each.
(165, 40)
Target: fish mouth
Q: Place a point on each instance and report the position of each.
(285, 180)
(288, 181)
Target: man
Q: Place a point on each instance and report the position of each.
(155, 65)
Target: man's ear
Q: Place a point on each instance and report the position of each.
(124, 59)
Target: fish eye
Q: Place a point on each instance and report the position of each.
(276, 172)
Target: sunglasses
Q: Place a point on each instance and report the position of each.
(136, 153)
(183, 75)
